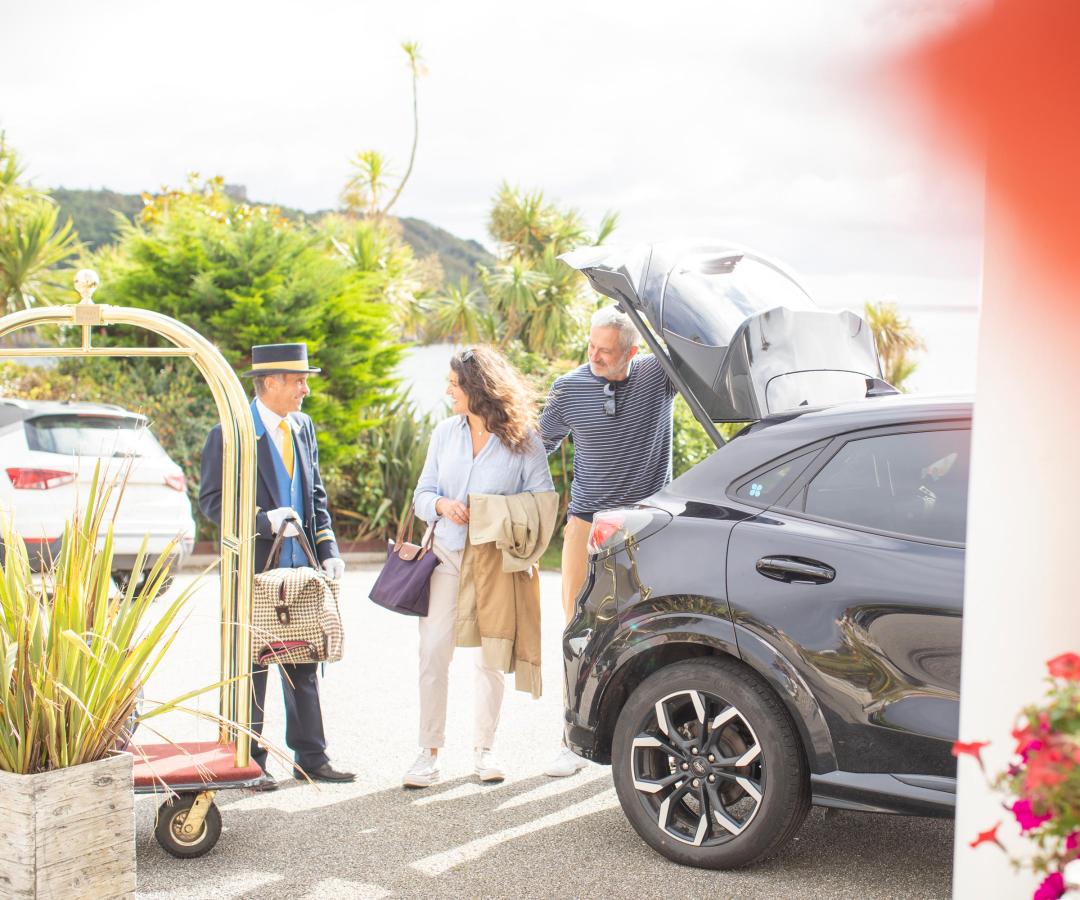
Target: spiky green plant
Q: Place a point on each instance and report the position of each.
(74, 655)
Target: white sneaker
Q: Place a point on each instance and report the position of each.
(424, 772)
(488, 766)
(567, 762)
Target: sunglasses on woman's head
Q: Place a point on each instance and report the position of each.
(466, 355)
(609, 401)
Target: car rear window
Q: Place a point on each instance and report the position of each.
(72, 434)
(765, 488)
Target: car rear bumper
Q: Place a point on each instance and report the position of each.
(125, 551)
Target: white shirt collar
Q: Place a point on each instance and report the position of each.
(271, 420)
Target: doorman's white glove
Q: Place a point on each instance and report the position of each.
(334, 567)
(284, 517)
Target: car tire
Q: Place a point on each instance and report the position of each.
(688, 783)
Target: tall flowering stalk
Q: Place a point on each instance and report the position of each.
(1043, 781)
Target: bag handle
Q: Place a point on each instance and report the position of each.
(279, 541)
(405, 528)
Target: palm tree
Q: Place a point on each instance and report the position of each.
(417, 68)
(363, 191)
(32, 243)
(457, 316)
(894, 339)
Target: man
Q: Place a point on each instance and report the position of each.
(289, 495)
(617, 409)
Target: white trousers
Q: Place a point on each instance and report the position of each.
(436, 651)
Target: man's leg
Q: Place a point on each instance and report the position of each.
(303, 715)
(575, 567)
(258, 703)
(575, 559)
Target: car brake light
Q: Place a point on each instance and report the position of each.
(604, 527)
(39, 479)
(176, 482)
(610, 530)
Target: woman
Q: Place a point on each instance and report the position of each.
(489, 445)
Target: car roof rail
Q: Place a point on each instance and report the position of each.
(879, 387)
(13, 401)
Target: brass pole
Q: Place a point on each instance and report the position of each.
(238, 467)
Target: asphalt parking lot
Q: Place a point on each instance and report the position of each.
(530, 836)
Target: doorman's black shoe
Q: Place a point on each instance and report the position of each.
(326, 772)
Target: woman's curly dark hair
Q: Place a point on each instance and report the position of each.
(498, 394)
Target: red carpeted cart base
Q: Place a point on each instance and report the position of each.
(199, 765)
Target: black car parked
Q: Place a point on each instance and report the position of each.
(781, 625)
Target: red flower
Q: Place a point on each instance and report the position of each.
(1052, 887)
(1026, 742)
(974, 748)
(1066, 666)
(988, 837)
(1047, 767)
(1026, 816)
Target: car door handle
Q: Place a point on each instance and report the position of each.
(795, 570)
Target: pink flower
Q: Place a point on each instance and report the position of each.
(1072, 841)
(1026, 816)
(1052, 887)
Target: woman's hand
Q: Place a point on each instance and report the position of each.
(454, 510)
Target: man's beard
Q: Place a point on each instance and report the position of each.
(618, 369)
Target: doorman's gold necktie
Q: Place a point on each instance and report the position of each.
(286, 446)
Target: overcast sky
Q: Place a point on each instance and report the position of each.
(747, 121)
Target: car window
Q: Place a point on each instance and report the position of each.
(765, 488)
(90, 435)
(913, 483)
(706, 300)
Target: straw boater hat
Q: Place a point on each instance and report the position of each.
(279, 359)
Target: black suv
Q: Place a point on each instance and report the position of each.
(781, 625)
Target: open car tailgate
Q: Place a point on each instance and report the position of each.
(744, 337)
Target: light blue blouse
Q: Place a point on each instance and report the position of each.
(450, 471)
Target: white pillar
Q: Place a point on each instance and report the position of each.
(1021, 598)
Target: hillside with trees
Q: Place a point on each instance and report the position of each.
(98, 214)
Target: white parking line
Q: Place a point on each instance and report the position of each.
(441, 862)
(557, 786)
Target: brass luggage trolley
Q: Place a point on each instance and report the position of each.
(188, 824)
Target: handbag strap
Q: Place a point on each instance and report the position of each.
(405, 527)
(279, 541)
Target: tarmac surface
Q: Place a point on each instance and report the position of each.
(530, 836)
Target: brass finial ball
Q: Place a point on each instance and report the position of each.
(86, 282)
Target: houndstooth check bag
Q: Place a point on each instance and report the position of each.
(295, 617)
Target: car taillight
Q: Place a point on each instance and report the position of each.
(176, 482)
(39, 479)
(610, 530)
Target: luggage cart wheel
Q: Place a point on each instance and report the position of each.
(188, 825)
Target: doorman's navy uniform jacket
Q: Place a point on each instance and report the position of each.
(299, 684)
(316, 513)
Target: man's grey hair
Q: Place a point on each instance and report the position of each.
(613, 317)
(259, 381)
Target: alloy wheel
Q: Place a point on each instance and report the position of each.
(698, 768)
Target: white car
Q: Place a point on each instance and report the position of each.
(48, 453)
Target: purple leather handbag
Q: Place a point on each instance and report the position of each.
(402, 585)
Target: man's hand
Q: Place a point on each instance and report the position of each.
(454, 510)
(334, 567)
(284, 517)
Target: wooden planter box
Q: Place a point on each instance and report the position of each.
(69, 833)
